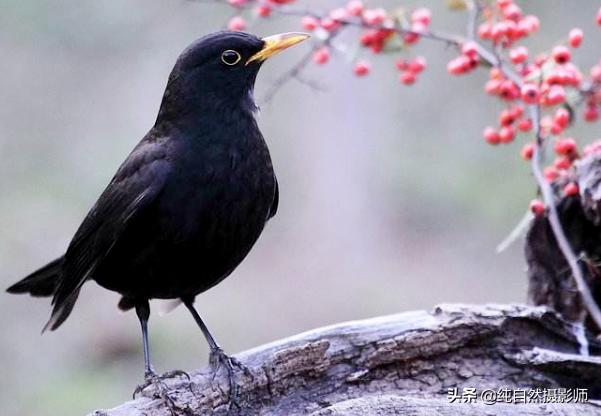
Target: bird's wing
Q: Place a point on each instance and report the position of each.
(135, 186)
(276, 199)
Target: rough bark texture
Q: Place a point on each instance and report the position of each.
(398, 365)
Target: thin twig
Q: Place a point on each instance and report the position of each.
(285, 77)
(294, 72)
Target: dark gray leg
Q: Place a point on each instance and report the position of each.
(205, 331)
(150, 377)
(217, 356)
(143, 312)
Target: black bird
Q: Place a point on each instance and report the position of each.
(188, 203)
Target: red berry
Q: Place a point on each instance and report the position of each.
(321, 55)
(402, 64)
(575, 37)
(537, 207)
(512, 31)
(556, 128)
(470, 49)
(492, 86)
(408, 77)
(529, 70)
(413, 37)
(562, 163)
(555, 95)
(361, 68)
(355, 7)
(518, 55)
(491, 135)
(339, 14)
(417, 65)
(495, 73)
(498, 31)
(517, 111)
(506, 134)
(525, 124)
(562, 117)
(410, 38)
(374, 16)
(330, 24)
(550, 173)
(512, 12)
(309, 23)
(561, 54)
(236, 23)
(571, 189)
(506, 118)
(459, 65)
(527, 151)
(485, 30)
(508, 90)
(591, 113)
(565, 146)
(263, 10)
(422, 15)
(596, 73)
(530, 23)
(540, 59)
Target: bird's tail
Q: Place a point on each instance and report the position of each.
(41, 283)
(45, 283)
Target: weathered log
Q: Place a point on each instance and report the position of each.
(399, 364)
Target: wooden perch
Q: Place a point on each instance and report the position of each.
(401, 364)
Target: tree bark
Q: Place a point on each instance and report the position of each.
(401, 364)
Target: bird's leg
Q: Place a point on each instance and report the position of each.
(143, 313)
(150, 376)
(217, 356)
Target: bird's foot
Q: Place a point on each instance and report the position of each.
(161, 390)
(219, 358)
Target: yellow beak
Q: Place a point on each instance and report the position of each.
(277, 43)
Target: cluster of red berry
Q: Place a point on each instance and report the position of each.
(378, 31)
(410, 69)
(545, 81)
(550, 81)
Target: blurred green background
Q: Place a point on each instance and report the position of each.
(389, 198)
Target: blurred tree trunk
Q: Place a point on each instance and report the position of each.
(399, 365)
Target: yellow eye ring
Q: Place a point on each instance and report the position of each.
(230, 57)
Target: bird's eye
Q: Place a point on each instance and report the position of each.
(230, 57)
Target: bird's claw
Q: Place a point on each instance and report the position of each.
(157, 381)
(218, 358)
(161, 390)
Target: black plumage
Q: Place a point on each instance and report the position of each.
(189, 202)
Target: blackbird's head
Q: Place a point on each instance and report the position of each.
(219, 70)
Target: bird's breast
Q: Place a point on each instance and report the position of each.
(223, 189)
